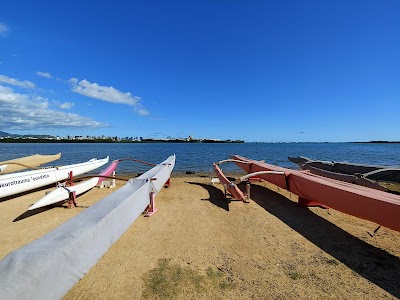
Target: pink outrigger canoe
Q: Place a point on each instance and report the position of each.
(377, 206)
(230, 186)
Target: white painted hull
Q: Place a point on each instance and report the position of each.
(16, 183)
(62, 193)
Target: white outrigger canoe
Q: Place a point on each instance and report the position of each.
(32, 161)
(15, 183)
(50, 266)
(62, 193)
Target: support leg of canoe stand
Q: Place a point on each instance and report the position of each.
(248, 187)
(71, 200)
(72, 195)
(168, 183)
(151, 210)
(225, 192)
(71, 179)
(108, 183)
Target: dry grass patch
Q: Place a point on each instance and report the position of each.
(170, 281)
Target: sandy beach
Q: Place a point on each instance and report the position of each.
(201, 246)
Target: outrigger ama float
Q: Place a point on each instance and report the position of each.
(63, 193)
(313, 190)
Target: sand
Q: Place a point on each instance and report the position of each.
(201, 246)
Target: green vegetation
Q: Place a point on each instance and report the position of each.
(295, 275)
(168, 281)
(42, 140)
(332, 261)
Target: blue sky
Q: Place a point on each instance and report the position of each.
(253, 70)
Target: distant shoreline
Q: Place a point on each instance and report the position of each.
(378, 142)
(171, 141)
(146, 141)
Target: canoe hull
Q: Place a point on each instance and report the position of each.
(62, 193)
(26, 162)
(64, 255)
(339, 170)
(16, 183)
(229, 186)
(363, 202)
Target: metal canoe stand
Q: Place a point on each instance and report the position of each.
(167, 183)
(72, 195)
(108, 183)
(151, 209)
(72, 200)
(225, 192)
(248, 187)
(70, 180)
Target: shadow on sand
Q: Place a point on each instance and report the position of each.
(374, 264)
(216, 195)
(33, 212)
(30, 213)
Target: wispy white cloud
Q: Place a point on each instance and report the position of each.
(44, 74)
(67, 105)
(24, 84)
(142, 111)
(107, 93)
(22, 111)
(4, 30)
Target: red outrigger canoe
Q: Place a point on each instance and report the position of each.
(363, 202)
(229, 186)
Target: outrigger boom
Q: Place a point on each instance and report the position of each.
(254, 174)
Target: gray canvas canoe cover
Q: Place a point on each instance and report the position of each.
(49, 267)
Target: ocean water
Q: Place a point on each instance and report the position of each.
(199, 157)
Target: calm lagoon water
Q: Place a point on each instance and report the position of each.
(199, 157)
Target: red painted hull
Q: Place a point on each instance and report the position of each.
(363, 202)
(230, 186)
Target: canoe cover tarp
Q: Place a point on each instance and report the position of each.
(363, 202)
(54, 263)
(49, 267)
(345, 177)
(382, 173)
